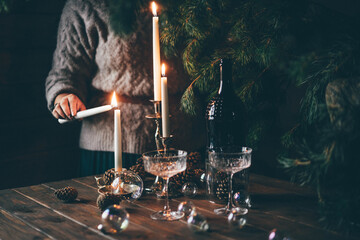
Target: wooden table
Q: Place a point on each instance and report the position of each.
(34, 213)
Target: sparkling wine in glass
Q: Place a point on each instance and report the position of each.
(165, 164)
(230, 160)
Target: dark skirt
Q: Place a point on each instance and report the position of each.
(97, 162)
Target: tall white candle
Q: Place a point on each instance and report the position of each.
(164, 104)
(156, 54)
(88, 113)
(117, 137)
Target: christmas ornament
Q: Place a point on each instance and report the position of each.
(187, 207)
(105, 200)
(275, 234)
(128, 184)
(236, 220)
(115, 219)
(197, 222)
(242, 199)
(66, 194)
(189, 189)
(203, 177)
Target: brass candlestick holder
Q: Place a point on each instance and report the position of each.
(157, 117)
(157, 185)
(161, 143)
(166, 141)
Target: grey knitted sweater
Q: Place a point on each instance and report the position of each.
(92, 62)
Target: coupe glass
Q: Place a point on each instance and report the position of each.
(165, 164)
(230, 160)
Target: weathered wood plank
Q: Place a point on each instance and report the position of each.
(83, 211)
(53, 223)
(139, 215)
(283, 185)
(14, 228)
(219, 224)
(286, 209)
(279, 209)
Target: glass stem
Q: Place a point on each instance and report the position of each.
(230, 200)
(166, 207)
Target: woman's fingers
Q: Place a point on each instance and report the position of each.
(67, 106)
(64, 103)
(73, 102)
(58, 112)
(76, 104)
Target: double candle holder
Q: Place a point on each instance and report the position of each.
(162, 143)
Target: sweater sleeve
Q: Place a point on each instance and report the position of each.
(73, 61)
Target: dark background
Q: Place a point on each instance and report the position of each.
(34, 148)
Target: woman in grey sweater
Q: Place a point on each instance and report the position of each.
(90, 62)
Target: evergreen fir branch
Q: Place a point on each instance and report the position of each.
(4, 6)
(189, 102)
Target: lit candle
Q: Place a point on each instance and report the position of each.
(156, 54)
(164, 104)
(117, 136)
(88, 113)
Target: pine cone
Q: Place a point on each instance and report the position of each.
(139, 170)
(106, 200)
(221, 186)
(140, 161)
(193, 160)
(66, 194)
(109, 176)
(189, 175)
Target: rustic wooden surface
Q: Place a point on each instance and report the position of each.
(34, 213)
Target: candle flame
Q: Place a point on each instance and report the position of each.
(114, 100)
(154, 7)
(163, 70)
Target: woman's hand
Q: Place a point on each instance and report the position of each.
(66, 105)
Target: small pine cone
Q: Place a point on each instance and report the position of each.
(106, 200)
(140, 161)
(193, 160)
(221, 189)
(193, 175)
(109, 176)
(66, 194)
(221, 186)
(139, 170)
(179, 179)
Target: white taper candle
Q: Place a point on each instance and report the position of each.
(117, 136)
(117, 140)
(88, 113)
(156, 54)
(164, 105)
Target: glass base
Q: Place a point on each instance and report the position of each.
(225, 211)
(167, 216)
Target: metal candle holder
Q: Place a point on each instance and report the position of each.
(161, 143)
(157, 117)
